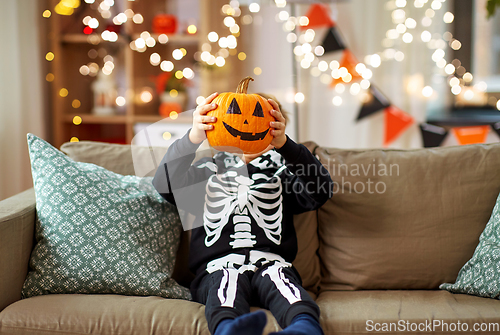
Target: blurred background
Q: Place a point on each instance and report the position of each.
(351, 73)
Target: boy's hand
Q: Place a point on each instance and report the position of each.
(197, 133)
(278, 126)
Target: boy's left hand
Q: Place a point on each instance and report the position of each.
(277, 126)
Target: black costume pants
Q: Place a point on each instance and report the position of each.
(229, 292)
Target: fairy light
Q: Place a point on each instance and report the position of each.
(188, 73)
(213, 36)
(448, 17)
(166, 135)
(138, 19)
(340, 88)
(254, 7)
(299, 97)
(355, 89)
(427, 91)
(50, 56)
(77, 120)
(177, 54)
(46, 13)
(242, 56)
(120, 101)
(257, 71)
(50, 77)
(76, 103)
(163, 38)
(337, 101)
(74, 139)
(191, 29)
(155, 59)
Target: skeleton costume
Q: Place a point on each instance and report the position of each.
(244, 239)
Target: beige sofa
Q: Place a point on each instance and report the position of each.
(401, 223)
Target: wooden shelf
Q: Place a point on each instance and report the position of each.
(132, 73)
(123, 119)
(82, 38)
(97, 119)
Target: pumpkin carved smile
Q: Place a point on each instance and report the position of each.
(245, 136)
(243, 121)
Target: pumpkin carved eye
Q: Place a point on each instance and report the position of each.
(258, 110)
(234, 108)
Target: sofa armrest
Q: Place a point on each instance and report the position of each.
(17, 223)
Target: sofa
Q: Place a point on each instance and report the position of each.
(400, 223)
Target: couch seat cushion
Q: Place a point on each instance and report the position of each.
(347, 312)
(106, 314)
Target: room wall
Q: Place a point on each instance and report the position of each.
(364, 25)
(21, 102)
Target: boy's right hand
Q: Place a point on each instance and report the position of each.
(197, 133)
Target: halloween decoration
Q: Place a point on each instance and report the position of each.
(164, 24)
(243, 121)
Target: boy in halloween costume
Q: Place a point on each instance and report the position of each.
(242, 249)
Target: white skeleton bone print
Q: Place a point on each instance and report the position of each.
(233, 264)
(258, 197)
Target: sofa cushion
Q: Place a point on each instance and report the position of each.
(366, 312)
(120, 158)
(404, 219)
(98, 231)
(481, 274)
(106, 314)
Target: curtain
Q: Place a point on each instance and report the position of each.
(21, 103)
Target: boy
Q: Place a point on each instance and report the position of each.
(242, 250)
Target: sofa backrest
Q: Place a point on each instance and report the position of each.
(404, 219)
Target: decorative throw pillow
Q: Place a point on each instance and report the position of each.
(481, 274)
(98, 231)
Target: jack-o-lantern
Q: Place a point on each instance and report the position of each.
(242, 121)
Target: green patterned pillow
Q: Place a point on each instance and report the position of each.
(98, 231)
(481, 274)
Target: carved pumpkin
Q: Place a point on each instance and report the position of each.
(242, 121)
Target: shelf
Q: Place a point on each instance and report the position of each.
(84, 39)
(122, 119)
(157, 118)
(97, 119)
(175, 38)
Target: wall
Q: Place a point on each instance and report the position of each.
(21, 101)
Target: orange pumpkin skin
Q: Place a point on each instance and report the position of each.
(243, 122)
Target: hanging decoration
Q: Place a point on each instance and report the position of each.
(350, 71)
(471, 135)
(319, 17)
(396, 122)
(333, 41)
(432, 135)
(349, 62)
(375, 102)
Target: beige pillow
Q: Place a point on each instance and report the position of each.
(416, 234)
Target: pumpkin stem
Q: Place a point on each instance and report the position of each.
(243, 85)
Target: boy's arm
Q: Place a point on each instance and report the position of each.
(175, 171)
(309, 185)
